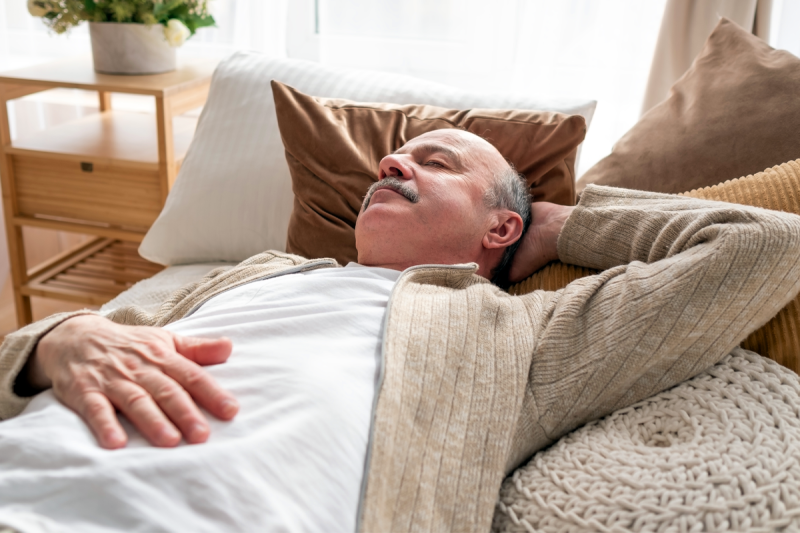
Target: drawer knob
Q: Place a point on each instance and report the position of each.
(87, 167)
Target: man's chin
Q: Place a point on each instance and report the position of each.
(381, 218)
(387, 206)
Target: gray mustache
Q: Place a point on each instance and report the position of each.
(394, 184)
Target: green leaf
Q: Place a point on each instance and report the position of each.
(204, 21)
(194, 22)
(162, 11)
(179, 12)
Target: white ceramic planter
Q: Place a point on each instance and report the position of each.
(127, 48)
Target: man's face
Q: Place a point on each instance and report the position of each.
(428, 205)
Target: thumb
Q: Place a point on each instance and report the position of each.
(203, 351)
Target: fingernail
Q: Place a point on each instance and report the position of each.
(230, 407)
(169, 437)
(114, 439)
(198, 433)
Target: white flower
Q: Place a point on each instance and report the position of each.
(176, 32)
(38, 8)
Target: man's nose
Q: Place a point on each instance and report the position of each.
(394, 167)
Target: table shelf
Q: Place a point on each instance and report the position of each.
(116, 138)
(78, 73)
(92, 273)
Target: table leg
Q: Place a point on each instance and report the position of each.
(166, 149)
(16, 246)
(105, 100)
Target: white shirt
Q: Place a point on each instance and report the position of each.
(304, 365)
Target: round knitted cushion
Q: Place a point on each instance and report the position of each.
(720, 452)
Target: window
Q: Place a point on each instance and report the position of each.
(593, 49)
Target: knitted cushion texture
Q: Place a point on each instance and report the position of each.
(776, 188)
(719, 452)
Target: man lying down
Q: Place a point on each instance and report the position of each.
(389, 395)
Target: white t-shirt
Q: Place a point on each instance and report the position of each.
(306, 354)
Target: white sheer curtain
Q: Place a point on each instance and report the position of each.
(598, 49)
(785, 26)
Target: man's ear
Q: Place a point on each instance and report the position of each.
(505, 230)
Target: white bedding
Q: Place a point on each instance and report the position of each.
(305, 360)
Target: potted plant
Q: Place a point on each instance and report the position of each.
(128, 36)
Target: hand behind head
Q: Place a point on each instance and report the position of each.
(540, 244)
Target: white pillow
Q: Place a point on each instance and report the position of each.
(233, 195)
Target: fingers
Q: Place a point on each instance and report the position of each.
(99, 415)
(150, 375)
(203, 351)
(179, 407)
(203, 388)
(143, 412)
(159, 407)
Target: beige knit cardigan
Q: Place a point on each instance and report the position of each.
(475, 380)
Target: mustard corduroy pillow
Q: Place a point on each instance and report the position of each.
(776, 188)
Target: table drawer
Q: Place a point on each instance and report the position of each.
(86, 191)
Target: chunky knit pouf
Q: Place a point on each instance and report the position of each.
(720, 452)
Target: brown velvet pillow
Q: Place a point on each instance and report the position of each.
(735, 112)
(776, 188)
(333, 148)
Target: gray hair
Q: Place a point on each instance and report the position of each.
(509, 191)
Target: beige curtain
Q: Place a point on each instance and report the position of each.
(684, 29)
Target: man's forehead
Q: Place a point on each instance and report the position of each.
(453, 139)
(429, 146)
(446, 142)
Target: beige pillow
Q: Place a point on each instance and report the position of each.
(776, 188)
(735, 112)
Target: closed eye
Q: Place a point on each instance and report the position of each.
(426, 153)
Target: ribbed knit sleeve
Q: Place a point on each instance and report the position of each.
(684, 281)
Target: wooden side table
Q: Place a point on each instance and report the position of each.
(105, 175)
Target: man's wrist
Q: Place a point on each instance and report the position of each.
(33, 378)
(564, 215)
